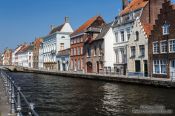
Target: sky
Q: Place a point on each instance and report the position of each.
(24, 20)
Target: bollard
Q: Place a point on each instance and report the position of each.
(18, 102)
(13, 99)
(31, 107)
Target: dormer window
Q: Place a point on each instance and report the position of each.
(165, 28)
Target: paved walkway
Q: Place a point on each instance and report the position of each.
(4, 106)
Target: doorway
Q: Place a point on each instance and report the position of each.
(137, 66)
(89, 67)
(145, 68)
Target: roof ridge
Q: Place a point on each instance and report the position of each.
(85, 25)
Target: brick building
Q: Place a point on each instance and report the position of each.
(162, 43)
(125, 29)
(37, 44)
(78, 39)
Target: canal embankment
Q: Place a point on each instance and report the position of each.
(150, 81)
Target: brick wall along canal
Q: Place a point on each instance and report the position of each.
(55, 96)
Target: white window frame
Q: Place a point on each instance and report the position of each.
(159, 64)
(162, 47)
(169, 45)
(157, 48)
(133, 55)
(165, 29)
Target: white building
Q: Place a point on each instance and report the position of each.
(138, 51)
(57, 40)
(25, 56)
(14, 56)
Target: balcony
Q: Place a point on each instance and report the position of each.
(53, 52)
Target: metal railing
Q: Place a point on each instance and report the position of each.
(15, 96)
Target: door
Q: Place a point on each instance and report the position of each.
(64, 67)
(98, 67)
(89, 67)
(137, 66)
(172, 69)
(145, 68)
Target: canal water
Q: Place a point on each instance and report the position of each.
(62, 96)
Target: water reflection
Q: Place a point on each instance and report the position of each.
(55, 96)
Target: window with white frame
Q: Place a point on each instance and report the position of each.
(81, 50)
(163, 46)
(116, 37)
(133, 51)
(75, 52)
(155, 47)
(171, 45)
(159, 67)
(142, 50)
(122, 36)
(128, 30)
(165, 28)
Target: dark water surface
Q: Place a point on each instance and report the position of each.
(61, 96)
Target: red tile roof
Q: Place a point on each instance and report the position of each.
(83, 27)
(134, 5)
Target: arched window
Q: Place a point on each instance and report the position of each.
(137, 35)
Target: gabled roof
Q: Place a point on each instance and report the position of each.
(83, 27)
(134, 5)
(57, 29)
(104, 31)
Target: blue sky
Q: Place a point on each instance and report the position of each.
(23, 20)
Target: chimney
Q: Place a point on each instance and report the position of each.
(125, 4)
(52, 27)
(66, 19)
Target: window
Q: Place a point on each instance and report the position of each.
(89, 52)
(116, 37)
(164, 47)
(137, 36)
(128, 33)
(133, 51)
(61, 46)
(159, 67)
(79, 51)
(79, 65)
(100, 51)
(155, 48)
(172, 45)
(63, 37)
(163, 66)
(142, 50)
(71, 41)
(122, 36)
(156, 67)
(165, 28)
(95, 50)
(72, 52)
(75, 53)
